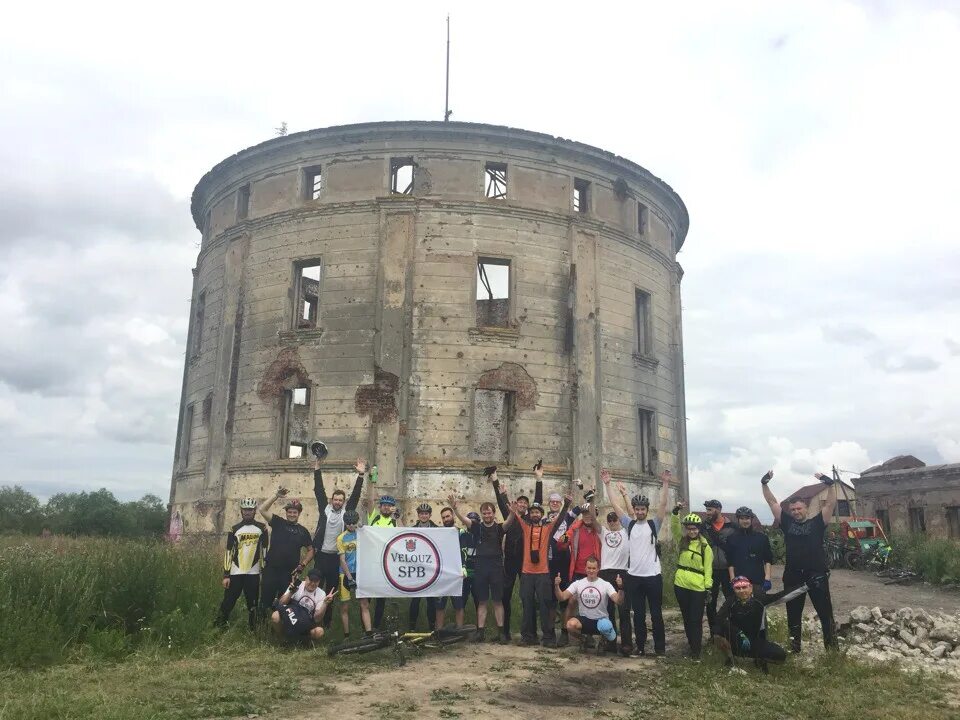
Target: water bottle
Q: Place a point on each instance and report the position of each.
(373, 475)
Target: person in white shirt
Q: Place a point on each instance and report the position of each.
(300, 609)
(592, 594)
(614, 562)
(644, 577)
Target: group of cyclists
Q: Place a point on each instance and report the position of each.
(595, 575)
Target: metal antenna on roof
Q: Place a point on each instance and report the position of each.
(447, 112)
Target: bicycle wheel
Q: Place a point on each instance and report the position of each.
(853, 560)
(363, 645)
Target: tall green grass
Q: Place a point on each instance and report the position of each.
(63, 598)
(936, 559)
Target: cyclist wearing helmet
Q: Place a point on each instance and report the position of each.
(301, 607)
(246, 547)
(287, 537)
(749, 553)
(468, 548)
(644, 581)
(692, 580)
(434, 615)
(329, 527)
(347, 548)
(386, 515)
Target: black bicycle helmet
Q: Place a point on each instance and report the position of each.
(424, 508)
(640, 501)
(351, 517)
(744, 511)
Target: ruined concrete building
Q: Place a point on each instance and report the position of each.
(909, 496)
(435, 297)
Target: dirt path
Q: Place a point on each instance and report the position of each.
(473, 680)
(850, 588)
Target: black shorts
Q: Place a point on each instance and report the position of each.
(488, 579)
(588, 625)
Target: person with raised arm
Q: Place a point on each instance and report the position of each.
(287, 537)
(644, 581)
(592, 594)
(806, 559)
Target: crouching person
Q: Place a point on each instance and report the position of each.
(592, 593)
(299, 611)
(741, 624)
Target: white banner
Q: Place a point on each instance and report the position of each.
(408, 562)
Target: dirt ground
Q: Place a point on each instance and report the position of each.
(473, 680)
(849, 588)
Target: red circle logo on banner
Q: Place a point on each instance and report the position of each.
(411, 562)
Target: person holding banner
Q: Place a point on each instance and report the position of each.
(536, 590)
(385, 516)
(347, 547)
(434, 613)
(488, 576)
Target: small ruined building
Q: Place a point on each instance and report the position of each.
(434, 297)
(909, 496)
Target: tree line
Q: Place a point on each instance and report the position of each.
(83, 513)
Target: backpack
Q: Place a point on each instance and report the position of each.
(296, 620)
(653, 534)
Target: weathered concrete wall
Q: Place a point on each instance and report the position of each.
(935, 489)
(399, 358)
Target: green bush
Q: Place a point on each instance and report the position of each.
(777, 544)
(936, 559)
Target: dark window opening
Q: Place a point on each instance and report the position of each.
(187, 436)
(918, 523)
(243, 202)
(644, 325)
(648, 442)
(296, 422)
(401, 176)
(492, 423)
(307, 307)
(883, 517)
(953, 522)
(843, 508)
(581, 196)
(196, 345)
(642, 218)
(493, 292)
(313, 182)
(495, 181)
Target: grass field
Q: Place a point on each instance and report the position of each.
(121, 629)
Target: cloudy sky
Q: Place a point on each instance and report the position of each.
(816, 145)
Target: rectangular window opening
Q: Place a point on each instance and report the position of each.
(492, 424)
(296, 422)
(883, 517)
(843, 508)
(495, 181)
(187, 436)
(581, 196)
(401, 176)
(493, 292)
(313, 182)
(648, 442)
(307, 307)
(642, 217)
(953, 522)
(243, 202)
(917, 521)
(644, 326)
(196, 345)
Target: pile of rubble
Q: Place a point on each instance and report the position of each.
(913, 637)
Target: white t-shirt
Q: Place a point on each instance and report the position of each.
(643, 552)
(592, 597)
(614, 551)
(312, 601)
(333, 529)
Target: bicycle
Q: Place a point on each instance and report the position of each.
(897, 576)
(400, 642)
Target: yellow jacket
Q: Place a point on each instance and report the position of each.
(695, 566)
